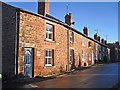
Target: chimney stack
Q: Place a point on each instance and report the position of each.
(102, 40)
(85, 31)
(96, 37)
(117, 43)
(99, 38)
(69, 19)
(105, 42)
(43, 7)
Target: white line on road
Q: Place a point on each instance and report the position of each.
(34, 86)
(30, 86)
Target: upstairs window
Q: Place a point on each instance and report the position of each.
(71, 37)
(83, 42)
(96, 47)
(49, 32)
(89, 44)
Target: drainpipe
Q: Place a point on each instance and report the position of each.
(16, 43)
(68, 49)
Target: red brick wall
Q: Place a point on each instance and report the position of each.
(32, 34)
(77, 46)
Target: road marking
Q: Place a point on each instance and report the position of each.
(61, 75)
(34, 86)
(30, 86)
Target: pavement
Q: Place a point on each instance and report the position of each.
(98, 76)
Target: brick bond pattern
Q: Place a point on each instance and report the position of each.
(32, 34)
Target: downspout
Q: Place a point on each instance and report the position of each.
(68, 49)
(16, 35)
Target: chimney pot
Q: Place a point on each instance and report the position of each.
(102, 40)
(95, 36)
(117, 43)
(85, 31)
(69, 19)
(105, 42)
(99, 38)
(43, 7)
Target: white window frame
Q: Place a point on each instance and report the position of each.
(92, 56)
(49, 57)
(48, 32)
(83, 42)
(71, 37)
(83, 56)
(89, 44)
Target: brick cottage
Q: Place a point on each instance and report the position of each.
(40, 44)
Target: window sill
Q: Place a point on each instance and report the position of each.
(89, 46)
(83, 45)
(48, 65)
(83, 60)
(89, 59)
(49, 40)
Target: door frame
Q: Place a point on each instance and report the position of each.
(32, 59)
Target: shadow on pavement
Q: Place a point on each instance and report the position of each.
(117, 85)
(19, 83)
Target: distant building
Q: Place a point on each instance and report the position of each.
(114, 51)
(40, 44)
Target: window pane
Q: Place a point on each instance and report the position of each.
(83, 42)
(49, 31)
(50, 36)
(70, 58)
(47, 54)
(70, 38)
(71, 55)
(50, 53)
(46, 60)
(71, 34)
(49, 27)
(47, 35)
(82, 55)
(49, 61)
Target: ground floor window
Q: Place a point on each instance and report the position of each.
(71, 55)
(89, 56)
(83, 56)
(49, 57)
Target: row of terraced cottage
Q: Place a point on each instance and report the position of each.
(40, 44)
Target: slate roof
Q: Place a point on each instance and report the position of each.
(54, 18)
